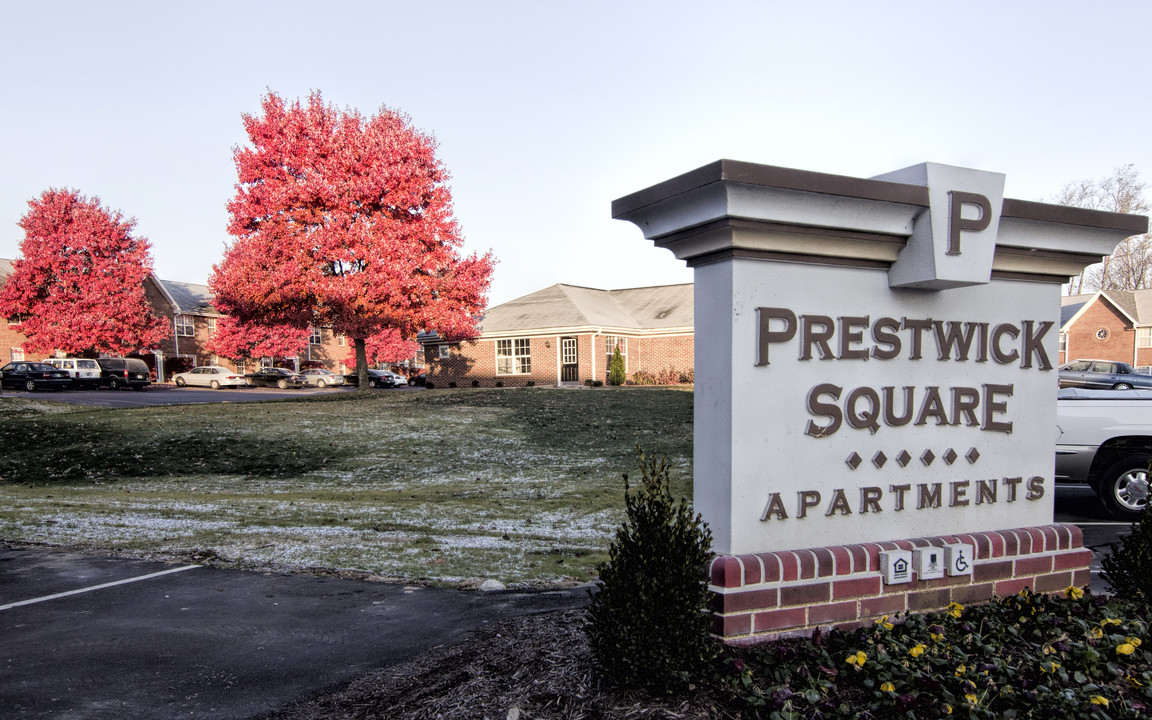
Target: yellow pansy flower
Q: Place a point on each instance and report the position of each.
(936, 637)
(1099, 700)
(1125, 649)
(1109, 621)
(972, 698)
(1134, 682)
(857, 659)
(1074, 592)
(1097, 633)
(888, 687)
(954, 609)
(961, 670)
(884, 622)
(1134, 641)
(947, 709)
(917, 650)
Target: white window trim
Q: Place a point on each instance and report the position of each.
(622, 340)
(211, 326)
(1144, 337)
(515, 345)
(316, 337)
(445, 352)
(184, 326)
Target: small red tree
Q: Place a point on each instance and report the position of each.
(346, 222)
(240, 341)
(79, 285)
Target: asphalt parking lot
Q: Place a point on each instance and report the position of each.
(90, 637)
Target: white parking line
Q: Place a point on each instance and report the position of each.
(9, 606)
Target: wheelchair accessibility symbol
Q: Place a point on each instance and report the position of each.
(956, 557)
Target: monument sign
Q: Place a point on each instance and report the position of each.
(875, 358)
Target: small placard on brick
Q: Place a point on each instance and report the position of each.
(959, 559)
(928, 562)
(896, 566)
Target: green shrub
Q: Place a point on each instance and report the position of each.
(1128, 569)
(642, 377)
(647, 623)
(475, 383)
(616, 374)
(499, 383)
(597, 383)
(429, 385)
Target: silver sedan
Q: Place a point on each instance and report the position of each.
(322, 377)
(212, 376)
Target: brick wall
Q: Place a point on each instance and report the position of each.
(773, 594)
(11, 338)
(1083, 342)
(476, 360)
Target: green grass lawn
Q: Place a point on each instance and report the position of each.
(520, 485)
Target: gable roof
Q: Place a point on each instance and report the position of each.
(188, 298)
(571, 306)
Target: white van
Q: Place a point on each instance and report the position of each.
(85, 373)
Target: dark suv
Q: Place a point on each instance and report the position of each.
(116, 373)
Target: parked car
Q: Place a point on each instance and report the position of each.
(83, 371)
(33, 376)
(212, 376)
(282, 378)
(421, 379)
(116, 373)
(376, 379)
(1105, 441)
(322, 377)
(397, 379)
(1102, 375)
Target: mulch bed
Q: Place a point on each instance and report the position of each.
(538, 666)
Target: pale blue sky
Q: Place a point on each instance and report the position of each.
(545, 112)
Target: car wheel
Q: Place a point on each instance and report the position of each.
(29, 385)
(371, 383)
(179, 382)
(321, 384)
(214, 385)
(113, 384)
(282, 384)
(1121, 386)
(1123, 489)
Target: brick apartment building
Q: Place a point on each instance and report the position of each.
(1107, 325)
(565, 335)
(192, 320)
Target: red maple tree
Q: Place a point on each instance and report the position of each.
(346, 222)
(386, 346)
(241, 341)
(79, 285)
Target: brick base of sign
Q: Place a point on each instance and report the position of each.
(775, 594)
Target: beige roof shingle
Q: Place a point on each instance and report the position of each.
(571, 306)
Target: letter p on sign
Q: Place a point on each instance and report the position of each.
(958, 223)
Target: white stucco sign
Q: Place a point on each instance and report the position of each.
(875, 359)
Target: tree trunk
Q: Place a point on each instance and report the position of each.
(361, 363)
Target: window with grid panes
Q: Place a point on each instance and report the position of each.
(610, 343)
(513, 357)
(184, 326)
(1144, 337)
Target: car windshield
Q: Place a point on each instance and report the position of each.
(41, 366)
